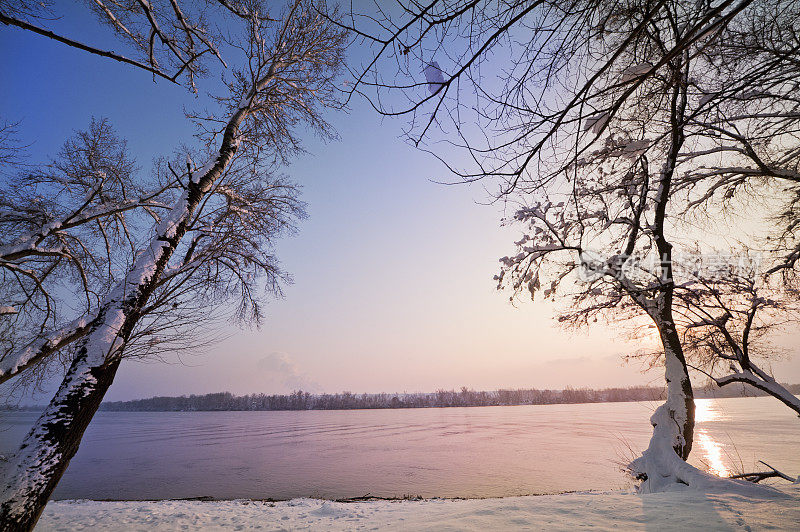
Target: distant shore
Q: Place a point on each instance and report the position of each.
(299, 400)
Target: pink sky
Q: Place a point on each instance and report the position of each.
(393, 273)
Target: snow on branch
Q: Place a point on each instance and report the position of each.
(12, 364)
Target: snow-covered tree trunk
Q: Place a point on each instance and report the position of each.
(673, 422)
(32, 474)
(662, 466)
(662, 463)
(289, 75)
(680, 398)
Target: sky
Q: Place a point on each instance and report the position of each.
(392, 272)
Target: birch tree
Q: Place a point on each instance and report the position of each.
(211, 238)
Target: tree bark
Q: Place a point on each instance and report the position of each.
(33, 473)
(47, 450)
(680, 397)
(44, 455)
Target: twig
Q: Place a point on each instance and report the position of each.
(104, 53)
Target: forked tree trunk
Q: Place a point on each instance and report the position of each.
(663, 464)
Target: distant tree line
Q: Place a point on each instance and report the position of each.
(300, 400)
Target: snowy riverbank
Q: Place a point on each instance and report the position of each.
(680, 510)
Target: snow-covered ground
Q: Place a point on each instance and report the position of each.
(678, 510)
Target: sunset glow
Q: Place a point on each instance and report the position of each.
(446, 265)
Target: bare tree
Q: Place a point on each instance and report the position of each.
(64, 226)
(583, 128)
(212, 238)
(171, 39)
(728, 315)
(751, 126)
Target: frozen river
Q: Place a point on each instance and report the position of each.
(432, 452)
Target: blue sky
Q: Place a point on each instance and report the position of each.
(392, 272)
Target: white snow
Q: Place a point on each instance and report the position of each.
(596, 123)
(634, 71)
(674, 510)
(11, 363)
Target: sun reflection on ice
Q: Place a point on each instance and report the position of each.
(705, 411)
(713, 454)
